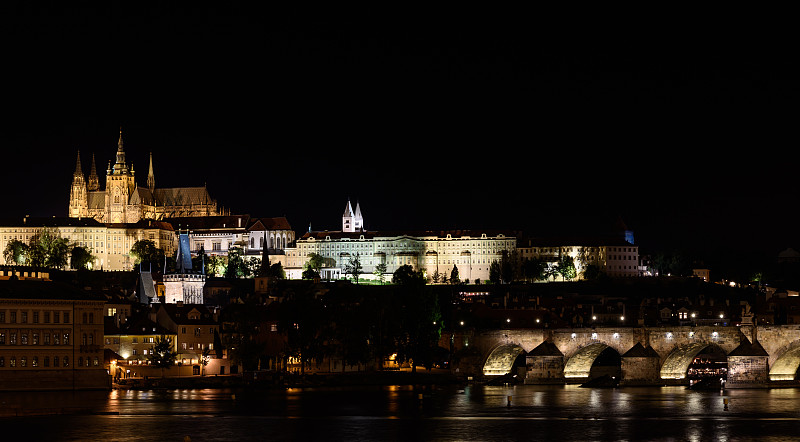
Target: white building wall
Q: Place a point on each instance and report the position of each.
(472, 255)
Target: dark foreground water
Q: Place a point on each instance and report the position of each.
(475, 413)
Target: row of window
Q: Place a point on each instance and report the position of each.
(24, 315)
(34, 339)
(45, 362)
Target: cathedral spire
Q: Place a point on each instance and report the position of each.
(94, 181)
(78, 169)
(120, 166)
(151, 179)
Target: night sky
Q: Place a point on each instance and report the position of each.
(530, 120)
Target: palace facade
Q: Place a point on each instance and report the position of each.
(470, 251)
(124, 201)
(110, 244)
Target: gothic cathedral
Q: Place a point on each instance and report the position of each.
(123, 201)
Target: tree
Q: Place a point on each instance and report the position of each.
(566, 268)
(591, 272)
(276, 271)
(16, 252)
(47, 248)
(241, 334)
(145, 251)
(380, 272)
(302, 318)
(236, 268)
(507, 268)
(533, 269)
(353, 267)
(420, 324)
(205, 358)
(494, 272)
(310, 273)
(163, 354)
(405, 275)
(80, 258)
(315, 262)
(454, 279)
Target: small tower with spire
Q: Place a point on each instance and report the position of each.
(78, 196)
(352, 221)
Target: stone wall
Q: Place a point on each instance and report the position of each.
(640, 371)
(747, 372)
(544, 369)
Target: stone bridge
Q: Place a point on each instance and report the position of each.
(756, 356)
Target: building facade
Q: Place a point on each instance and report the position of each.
(124, 201)
(51, 337)
(470, 251)
(613, 256)
(110, 244)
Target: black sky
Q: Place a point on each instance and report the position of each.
(533, 120)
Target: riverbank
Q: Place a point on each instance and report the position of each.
(266, 379)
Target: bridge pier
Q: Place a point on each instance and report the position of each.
(640, 366)
(545, 365)
(748, 366)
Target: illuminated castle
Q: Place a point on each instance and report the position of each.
(123, 201)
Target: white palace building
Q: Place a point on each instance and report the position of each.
(471, 251)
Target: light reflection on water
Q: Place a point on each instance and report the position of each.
(398, 413)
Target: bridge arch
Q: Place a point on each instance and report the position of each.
(785, 367)
(580, 364)
(677, 363)
(501, 359)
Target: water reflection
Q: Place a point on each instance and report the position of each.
(411, 412)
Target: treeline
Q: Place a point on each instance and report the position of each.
(47, 249)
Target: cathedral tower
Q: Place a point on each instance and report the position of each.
(78, 196)
(119, 186)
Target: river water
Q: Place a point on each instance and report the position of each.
(409, 413)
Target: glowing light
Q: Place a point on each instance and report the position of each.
(594, 335)
(621, 318)
(508, 319)
(594, 318)
(669, 335)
